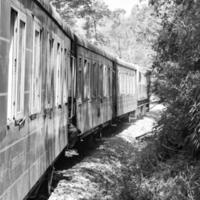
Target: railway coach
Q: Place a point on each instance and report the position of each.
(53, 82)
(143, 90)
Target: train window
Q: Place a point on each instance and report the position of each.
(110, 81)
(126, 82)
(88, 80)
(73, 77)
(58, 78)
(85, 77)
(129, 83)
(140, 77)
(120, 82)
(100, 80)
(123, 82)
(104, 80)
(61, 75)
(36, 70)
(79, 81)
(16, 65)
(134, 82)
(91, 80)
(65, 67)
(49, 71)
(102, 94)
(95, 79)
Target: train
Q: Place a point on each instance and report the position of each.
(55, 88)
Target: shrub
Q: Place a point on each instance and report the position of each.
(179, 126)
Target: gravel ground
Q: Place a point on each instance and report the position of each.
(105, 173)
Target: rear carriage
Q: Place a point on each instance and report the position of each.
(126, 88)
(143, 90)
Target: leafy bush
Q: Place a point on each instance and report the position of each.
(177, 72)
(179, 126)
(172, 179)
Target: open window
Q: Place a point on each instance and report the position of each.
(95, 79)
(36, 77)
(58, 73)
(110, 82)
(89, 80)
(79, 80)
(73, 77)
(105, 81)
(85, 78)
(65, 74)
(101, 80)
(120, 82)
(17, 56)
(50, 53)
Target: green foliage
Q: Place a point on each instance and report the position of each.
(84, 16)
(155, 179)
(176, 68)
(128, 37)
(132, 37)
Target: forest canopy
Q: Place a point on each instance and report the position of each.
(129, 37)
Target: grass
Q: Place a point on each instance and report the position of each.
(177, 178)
(124, 168)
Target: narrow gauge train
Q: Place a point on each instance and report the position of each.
(51, 80)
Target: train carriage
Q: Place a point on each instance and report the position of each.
(143, 90)
(94, 87)
(51, 80)
(127, 84)
(35, 52)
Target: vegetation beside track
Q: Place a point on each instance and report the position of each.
(122, 167)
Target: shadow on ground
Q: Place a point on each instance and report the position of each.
(105, 174)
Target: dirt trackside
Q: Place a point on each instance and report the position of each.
(108, 173)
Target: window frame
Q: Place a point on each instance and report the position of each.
(89, 78)
(58, 46)
(50, 54)
(36, 108)
(73, 76)
(85, 78)
(80, 78)
(65, 74)
(13, 90)
(95, 81)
